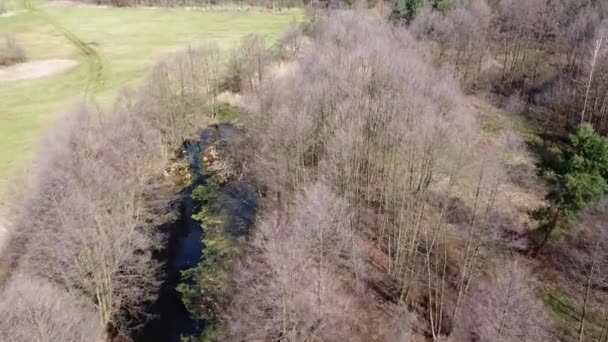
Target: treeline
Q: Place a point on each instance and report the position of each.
(227, 4)
(550, 53)
(381, 199)
(235, 5)
(85, 220)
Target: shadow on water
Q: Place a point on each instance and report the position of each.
(185, 246)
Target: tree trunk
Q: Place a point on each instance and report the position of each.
(548, 228)
(581, 329)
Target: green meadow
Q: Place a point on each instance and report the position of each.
(120, 46)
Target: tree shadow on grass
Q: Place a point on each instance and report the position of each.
(546, 157)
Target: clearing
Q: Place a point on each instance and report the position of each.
(112, 47)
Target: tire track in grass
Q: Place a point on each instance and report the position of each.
(95, 75)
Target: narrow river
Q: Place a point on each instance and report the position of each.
(185, 247)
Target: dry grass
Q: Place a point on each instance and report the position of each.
(511, 133)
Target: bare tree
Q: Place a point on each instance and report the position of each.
(592, 63)
(90, 228)
(304, 267)
(582, 257)
(505, 309)
(247, 63)
(574, 38)
(180, 93)
(34, 310)
(389, 134)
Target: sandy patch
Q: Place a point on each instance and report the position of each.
(8, 14)
(35, 69)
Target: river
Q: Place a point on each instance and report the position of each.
(185, 247)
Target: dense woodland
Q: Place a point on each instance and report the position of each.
(427, 171)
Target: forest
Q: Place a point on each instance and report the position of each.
(417, 170)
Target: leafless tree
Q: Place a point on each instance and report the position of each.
(291, 43)
(247, 64)
(180, 93)
(303, 271)
(462, 34)
(387, 133)
(505, 309)
(582, 257)
(575, 37)
(34, 310)
(90, 220)
(518, 34)
(591, 83)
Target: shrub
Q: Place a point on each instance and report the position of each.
(10, 51)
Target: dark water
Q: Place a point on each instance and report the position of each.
(237, 200)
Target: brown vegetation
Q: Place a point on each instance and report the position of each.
(505, 308)
(552, 51)
(303, 270)
(580, 265)
(431, 197)
(390, 137)
(34, 310)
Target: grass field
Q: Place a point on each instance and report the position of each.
(127, 41)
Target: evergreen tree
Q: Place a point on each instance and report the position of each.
(580, 177)
(405, 10)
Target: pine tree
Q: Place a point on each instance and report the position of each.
(405, 10)
(580, 178)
